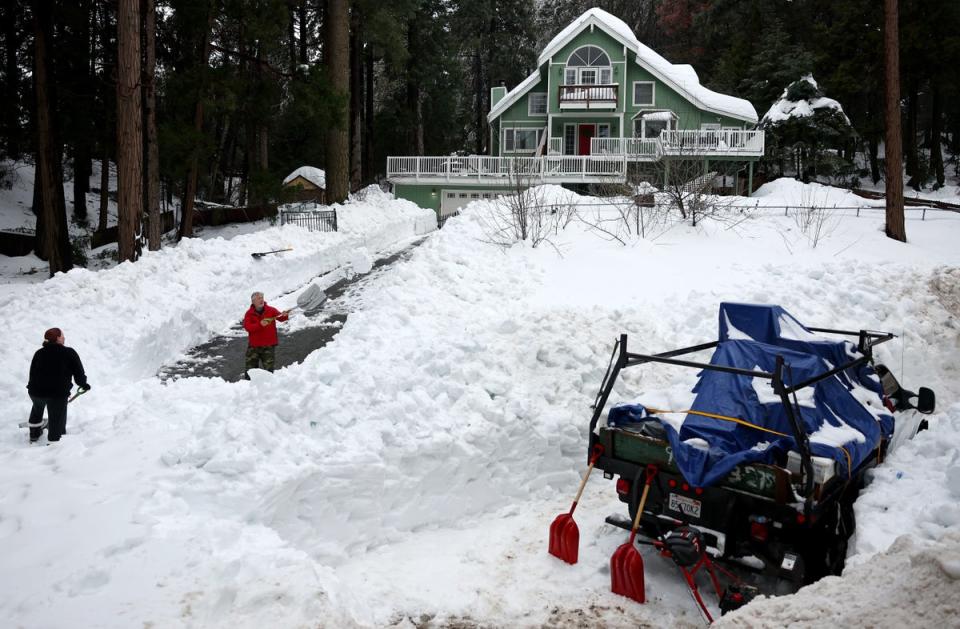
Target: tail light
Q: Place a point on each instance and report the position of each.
(758, 528)
(623, 487)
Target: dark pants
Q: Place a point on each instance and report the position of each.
(260, 358)
(56, 425)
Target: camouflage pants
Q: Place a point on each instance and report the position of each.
(260, 357)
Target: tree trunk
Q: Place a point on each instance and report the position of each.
(107, 129)
(152, 179)
(478, 99)
(936, 129)
(82, 139)
(414, 100)
(217, 183)
(304, 31)
(292, 40)
(368, 116)
(874, 148)
(262, 135)
(336, 58)
(230, 160)
(11, 106)
(53, 240)
(129, 131)
(895, 227)
(104, 191)
(190, 188)
(356, 100)
(910, 138)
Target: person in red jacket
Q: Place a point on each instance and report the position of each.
(260, 322)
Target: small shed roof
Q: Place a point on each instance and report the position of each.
(315, 176)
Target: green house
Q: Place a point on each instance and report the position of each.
(599, 101)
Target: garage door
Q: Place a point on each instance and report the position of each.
(452, 201)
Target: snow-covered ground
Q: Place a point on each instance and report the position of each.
(406, 474)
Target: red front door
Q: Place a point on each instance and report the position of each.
(585, 132)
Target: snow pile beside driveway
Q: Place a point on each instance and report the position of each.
(126, 321)
(916, 491)
(909, 585)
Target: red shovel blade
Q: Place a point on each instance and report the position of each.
(626, 572)
(565, 538)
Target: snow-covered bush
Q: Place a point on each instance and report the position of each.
(809, 136)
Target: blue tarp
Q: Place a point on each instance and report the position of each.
(833, 411)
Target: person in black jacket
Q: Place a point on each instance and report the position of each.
(53, 366)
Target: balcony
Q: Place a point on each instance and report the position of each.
(506, 171)
(634, 149)
(679, 144)
(588, 96)
(717, 143)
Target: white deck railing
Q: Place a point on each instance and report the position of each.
(706, 143)
(633, 148)
(607, 162)
(504, 169)
(582, 96)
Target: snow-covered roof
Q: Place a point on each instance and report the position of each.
(514, 95)
(315, 176)
(681, 77)
(610, 23)
(658, 115)
(784, 108)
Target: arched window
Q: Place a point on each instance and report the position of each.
(588, 65)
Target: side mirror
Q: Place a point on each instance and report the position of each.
(926, 401)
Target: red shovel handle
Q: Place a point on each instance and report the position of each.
(597, 451)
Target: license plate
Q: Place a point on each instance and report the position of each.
(684, 505)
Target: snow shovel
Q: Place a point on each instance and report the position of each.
(26, 424)
(564, 534)
(260, 254)
(626, 564)
(308, 301)
(311, 299)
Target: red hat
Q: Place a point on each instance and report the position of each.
(52, 335)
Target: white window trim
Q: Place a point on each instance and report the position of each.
(653, 94)
(671, 126)
(579, 48)
(579, 69)
(546, 104)
(643, 124)
(575, 131)
(512, 130)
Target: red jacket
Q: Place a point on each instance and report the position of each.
(262, 335)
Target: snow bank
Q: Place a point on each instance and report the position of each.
(908, 585)
(916, 491)
(126, 321)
